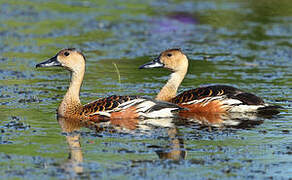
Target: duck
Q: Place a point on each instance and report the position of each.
(206, 99)
(118, 110)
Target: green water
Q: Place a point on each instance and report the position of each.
(242, 43)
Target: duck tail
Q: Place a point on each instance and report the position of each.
(269, 110)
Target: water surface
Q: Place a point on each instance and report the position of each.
(246, 44)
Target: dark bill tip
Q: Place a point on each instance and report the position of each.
(153, 64)
(49, 63)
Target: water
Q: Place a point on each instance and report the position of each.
(241, 43)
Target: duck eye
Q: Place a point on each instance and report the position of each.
(66, 53)
(169, 55)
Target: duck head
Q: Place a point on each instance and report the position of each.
(172, 59)
(70, 59)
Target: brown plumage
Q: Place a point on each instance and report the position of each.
(105, 104)
(213, 106)
(104, 109)
(215, 98)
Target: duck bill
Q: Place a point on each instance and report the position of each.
(153, 64)
(49, 63)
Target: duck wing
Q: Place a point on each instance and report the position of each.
(130, 107)
(220, 98)
(216, 91)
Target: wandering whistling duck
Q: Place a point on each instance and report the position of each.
(211, 99)
(104, 109)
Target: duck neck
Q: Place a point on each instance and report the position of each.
(169, 91)
(71, 103)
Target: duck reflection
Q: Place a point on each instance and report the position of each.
(223, 120)
(175, 149)
(70, 128)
